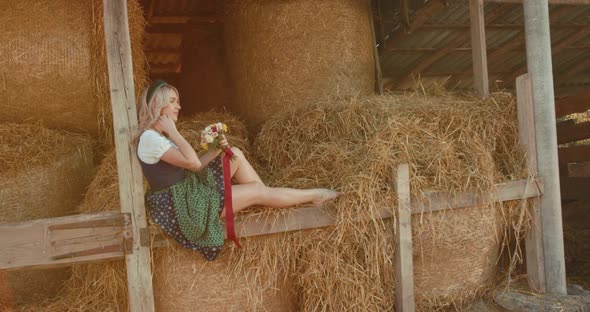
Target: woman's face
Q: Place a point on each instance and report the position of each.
(172, 107)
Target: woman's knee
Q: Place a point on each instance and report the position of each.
(262, 192)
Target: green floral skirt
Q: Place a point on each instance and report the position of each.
(189, 210)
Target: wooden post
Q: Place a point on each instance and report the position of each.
(534, 239)
(404, 268)
(120, 66)
(378, 80)
(478, 48)
(538, 52)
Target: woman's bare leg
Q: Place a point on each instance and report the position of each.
(241, 170)
(246, 195)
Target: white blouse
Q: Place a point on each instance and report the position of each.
(152, 145)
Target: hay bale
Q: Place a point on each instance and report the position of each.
(282, 54)
(184, 281)
(452, 143)
(43, 174)
(54, 64)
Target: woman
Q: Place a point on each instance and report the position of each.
(186, 196)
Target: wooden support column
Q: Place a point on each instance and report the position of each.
(534, 240)
(478, 48)
(378, 80)
(120, 66)
(538, 46)
(404, 267)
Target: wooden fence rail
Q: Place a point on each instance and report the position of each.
(57, 242)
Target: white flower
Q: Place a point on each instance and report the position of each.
(209, 138)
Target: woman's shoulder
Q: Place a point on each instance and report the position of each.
(152, 145)
(152, 138)
(150, 133)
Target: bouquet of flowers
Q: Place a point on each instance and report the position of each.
(210, 136)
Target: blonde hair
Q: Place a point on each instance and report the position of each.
(149, 113)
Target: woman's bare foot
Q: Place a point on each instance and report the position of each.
(325, 195)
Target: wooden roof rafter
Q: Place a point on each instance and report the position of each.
(516, 41)
(462, 38)
(579, 34)
(573, 70)
(422, 16)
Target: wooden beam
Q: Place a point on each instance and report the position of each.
(538, 46)
(579, 153)
(404, 267)
(380, 21)
(421, 17)
(50, 243)
(572, 133)
(478, 44)
(378, 80)
(577, 103)
(582, 2)
(92, 232)
(526, 129)
(120, 68)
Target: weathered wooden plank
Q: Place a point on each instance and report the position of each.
(404, 267)
(526, 130)
(577, 103)
(580, 153)
(35, 238)
(478, 48)
(572, 133)
(48, 243)
(120, 68)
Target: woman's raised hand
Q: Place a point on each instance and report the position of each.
(223, 142)
(167, 125)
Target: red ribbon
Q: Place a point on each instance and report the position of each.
(229, 209)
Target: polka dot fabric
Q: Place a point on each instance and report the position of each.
(195, 190)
